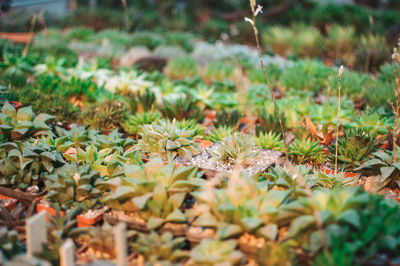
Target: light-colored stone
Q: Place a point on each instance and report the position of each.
(67, 253)
(121, 247)
(36, 233)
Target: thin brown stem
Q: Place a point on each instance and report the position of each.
(338, 119)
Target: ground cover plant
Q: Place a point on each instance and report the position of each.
(283, 151)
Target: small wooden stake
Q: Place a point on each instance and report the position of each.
(36, 234)
(67, 253)
(121, 248)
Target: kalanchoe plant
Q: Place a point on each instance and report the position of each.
(270, 141)
(133, 124)
(165, 139)
(355, 147)
(73, 185)
(215, 252)
(15, 125)
(306, 151)
(382, 166)
(236, 149)
(155, 190)
(25, 164)
(160, 249)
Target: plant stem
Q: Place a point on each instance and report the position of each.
(255, 30)
(33, 24)
(338, 118)
(127, 24)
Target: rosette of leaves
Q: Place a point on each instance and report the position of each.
(16, 125)
(134, 123)
(227, 118)
(182, 107)
(154, 190)
(105, 116)
(142, 102)
(354, 148)
(52, 143)
(382, 165)
(181, 67)
(372, 123)
(289, 179)
(73, 185)
(161, 249)
(25, 164)
(337, 207)
(306, 151)
(236, 149)
(165, 139)
(215, 252)
(245, 205)
(14, 70)
(270, 141)
(79, 135)
(220, 133)
(52, 66)
(114, 140)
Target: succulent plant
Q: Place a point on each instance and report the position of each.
(183, 40)
(142, 102)
(73, 185)
(236, 149)
(165, 139)
(10, 246)
(340, 44)
(181, 67)
(214, 252)
(308, 41)
(372, 123)
(14, 70)
(25, 164)
(372, 52)
(181, 108)
(52, 66)
(143, 38)
(227, 118)
(134, 123)
(354, 148)
(100, 241)
(105, 116)
(79, 135)
(306, 151)
(270, 141)
(16, 125)
(163, 249)
(156, 190)
(220, 133)
(80, 34)
(218, 71)
(279, 38)
(382, 165)
(340, 206)
(270, 122)
(244, 205)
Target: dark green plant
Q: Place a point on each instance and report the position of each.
(355, 148)
(134, 123)
(80, 34)
(306, 151)
(181, 108)
(270, 141)
(142, 102)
